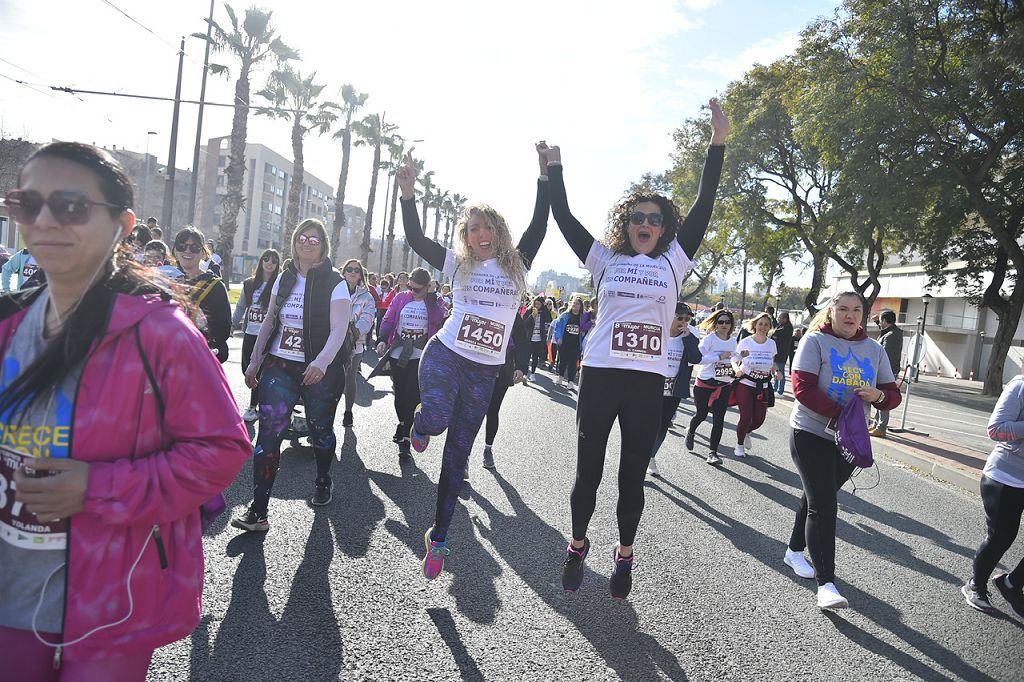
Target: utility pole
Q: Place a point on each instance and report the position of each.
(743, 296)
(199, 124)
(168, 213)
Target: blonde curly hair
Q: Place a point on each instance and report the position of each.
(507, 255)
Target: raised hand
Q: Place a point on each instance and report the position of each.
(407, 177)
(542, 148)
(719, 122)
(553, 156)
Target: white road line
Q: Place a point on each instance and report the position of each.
(928, 408)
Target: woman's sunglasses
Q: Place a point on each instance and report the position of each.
(353, 269)
(311, 239)
(67, 207)
(638, 218)
(723, 320)
(270, 259)
(190, 247)
(413, 289)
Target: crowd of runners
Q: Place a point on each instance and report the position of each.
(119, 432)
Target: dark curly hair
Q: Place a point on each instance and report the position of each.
(617, 236)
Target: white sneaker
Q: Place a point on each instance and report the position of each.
(829, 597)
(652, 468)
(746, 442)
(533, 377)
(250, 414)
(559, 381)
(740, 451)
(799, 564)
(573, 385)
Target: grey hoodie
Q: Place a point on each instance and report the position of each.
(1006, 426)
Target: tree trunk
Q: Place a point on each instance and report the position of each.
(339, 201)
(232, 202)
(818, 273)
(391, 224)
(447, 232)
(770, 283)
(368, 225)
(1008, 311)
(295, 191)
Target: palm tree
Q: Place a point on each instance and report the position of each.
(294, 98)
(372, 132)
(253, 43)
(418, 164)
(397, 154)
(351, 102)
(455, 206)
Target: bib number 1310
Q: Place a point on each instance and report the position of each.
(636, 340)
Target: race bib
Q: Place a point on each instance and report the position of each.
(256, 315)
(573, 329)
(670, 385)
(29, 270)
(757, 375)
(413, 334)
(481, 334)
(18, 526)
(636, 340)
(723, 370)
(292, 343)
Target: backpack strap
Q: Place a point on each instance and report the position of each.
(205, 291)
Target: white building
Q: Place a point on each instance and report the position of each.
(958, 334)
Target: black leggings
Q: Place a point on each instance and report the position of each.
(538, 353)
(406, 383)
(1003, 507)
(823, 472)
(717, 410)
(248, 344)
(568, 356)
(634, 398)
(669, 405)
(494, 409)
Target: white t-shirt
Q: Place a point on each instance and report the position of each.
(412, 324)
(536, 326)
(638, 302)
(712, 366)
(485, 303)
(760, 363)
(289, 342)
(255, 313)
(674, 349)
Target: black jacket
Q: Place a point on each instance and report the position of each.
(892, 341)
(215, 308)
(783, 336)
(545, 322)
(518, 354)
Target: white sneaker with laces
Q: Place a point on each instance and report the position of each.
(559, 381)
(746, 442)
(250, 414)
(829, 597)
(740, 452)
(533, 376)
(652, 468)
(799, 564)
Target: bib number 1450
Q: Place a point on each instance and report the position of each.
(636, 340)
(481, 334)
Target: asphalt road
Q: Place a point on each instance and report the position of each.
(338, 593)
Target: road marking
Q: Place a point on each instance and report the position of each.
(977, 415)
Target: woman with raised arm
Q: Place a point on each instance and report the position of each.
(461, 363)
(638, 271)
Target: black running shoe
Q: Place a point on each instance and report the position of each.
(977, 598)
(689, 439)
(346, 420)
(572, 569)
(322, 491)
(252, 522)
(397, 438)
(621, 581)
(1014, 596)
(404, 455)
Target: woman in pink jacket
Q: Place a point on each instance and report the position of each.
(116, 425)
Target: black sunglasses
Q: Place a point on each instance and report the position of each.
(352, 268)
(270, 259)
(413, 289)
(67, 207)
(190, 247)
(638, 218)
(723, 320)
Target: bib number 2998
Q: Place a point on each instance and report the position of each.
(481, 334)
(636, 340)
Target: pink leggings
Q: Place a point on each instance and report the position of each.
(752, 410)
(34, 662)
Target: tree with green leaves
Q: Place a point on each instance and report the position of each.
(351, 102)
(373, 132)
(254, 43)
(295, 98)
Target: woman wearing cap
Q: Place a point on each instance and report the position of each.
(637, 272)
(460, 365)
(251, 309)
(714, 381)
(683, 352)
(363, 315)
(205, 291)
(836, 363)
(754, 366)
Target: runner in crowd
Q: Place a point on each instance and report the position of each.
(374, 291)
(213, 259)
(363, 312)
(158, 257)
(537, 320)
(549, 345)
(783, 337)
(569, 329)
(1002, 493)
(205, 290)
(412, 320)
(754, 366)
(513, 372)
(142, 454)
(891, 339)
(683, 350)
(250, 310)
(382, 307)
(836, 363)
(797, 335)
(302, 351)
(21, 266)
(401, 283)
(714, 380)
(460, 365)
(638, 273)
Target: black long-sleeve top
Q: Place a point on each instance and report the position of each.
(434, 253)
(690, 233)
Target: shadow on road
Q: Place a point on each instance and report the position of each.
(355, 511)
(445, 625)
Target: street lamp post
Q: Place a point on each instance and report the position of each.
(913, 359)
(926, 299)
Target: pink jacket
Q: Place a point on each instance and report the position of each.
(144, 472)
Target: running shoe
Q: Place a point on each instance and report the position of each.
(572, 568)
(488, 458)
(397, 438)
(419, 441)
(346, 421)
(799, 564)
(559, 381)
(713, 459)
(323, 489)
(829, 597)
(621, 581)
(1014, 596)
(252, 522)
(250, 415)
(533, 376)
(689, 439)
(403, 450)
(433, 560)
(573, 385)
(746, 442)
(740, 451)
(977, 598)
(652, 468)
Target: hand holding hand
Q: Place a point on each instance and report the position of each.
(719, 123)
(553, 156)
(407, 177)
(542, 148)
(52, 498)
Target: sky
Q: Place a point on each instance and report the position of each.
(478, 82)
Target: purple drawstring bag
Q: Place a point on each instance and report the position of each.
(852, 436)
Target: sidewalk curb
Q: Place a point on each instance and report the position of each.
(962, 478)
